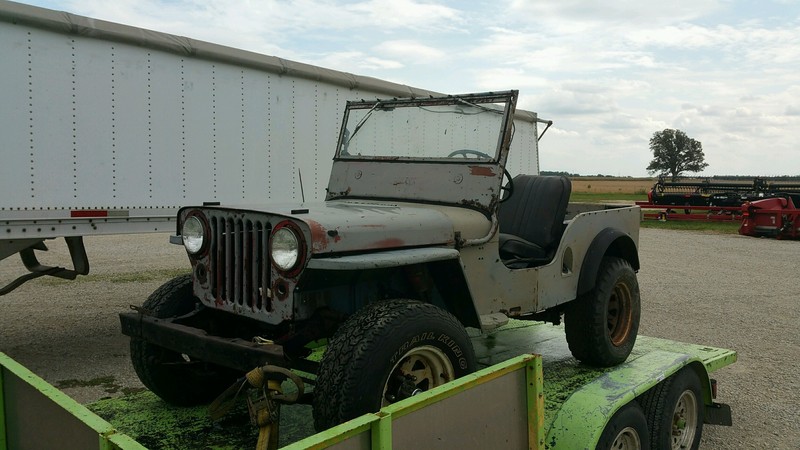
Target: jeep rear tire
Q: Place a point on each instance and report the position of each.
(174, 377)
(388, 351)
(601, 325)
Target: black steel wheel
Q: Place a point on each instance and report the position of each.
(388, 351)
(626, 430)
(601, 325)
(674, 411)
(176, 378)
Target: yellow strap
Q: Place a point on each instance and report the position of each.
(268, 432)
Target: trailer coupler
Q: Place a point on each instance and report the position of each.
(77, 252)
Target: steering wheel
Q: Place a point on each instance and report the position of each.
(466, 152)
(507, 190)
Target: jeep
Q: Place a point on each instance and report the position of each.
(423, 233)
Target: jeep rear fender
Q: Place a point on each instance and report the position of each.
(608, 242)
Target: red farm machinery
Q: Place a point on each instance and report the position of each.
(776, 217)
(765, 208)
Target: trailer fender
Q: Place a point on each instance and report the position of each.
(583, 416)
(609, 241)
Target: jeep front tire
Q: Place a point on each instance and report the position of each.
(388, 351)
(176, 378)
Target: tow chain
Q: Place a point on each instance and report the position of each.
(264, 406)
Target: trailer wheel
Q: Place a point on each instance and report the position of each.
(674, 411)
(388, 351)
(174, 377)
(601, 325)
(626, 430)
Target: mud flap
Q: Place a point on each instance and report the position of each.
(718, 414)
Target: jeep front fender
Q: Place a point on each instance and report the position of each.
(611, 242)
(380, 260)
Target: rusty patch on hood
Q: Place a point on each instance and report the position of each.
(319, 236)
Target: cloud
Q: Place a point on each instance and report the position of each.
(354, 61)
(634, 13)
(411, 51)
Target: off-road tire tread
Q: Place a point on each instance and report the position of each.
(353, 348)
(586, 335)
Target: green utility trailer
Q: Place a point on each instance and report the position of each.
(518, 400)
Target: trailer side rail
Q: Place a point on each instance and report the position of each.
(421, 421)
(34, 414)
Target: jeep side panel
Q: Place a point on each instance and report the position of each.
(496, 288)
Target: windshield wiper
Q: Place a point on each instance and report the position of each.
(361, 123)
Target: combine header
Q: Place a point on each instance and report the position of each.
(712, 201)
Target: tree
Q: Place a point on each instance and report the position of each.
(675, 153)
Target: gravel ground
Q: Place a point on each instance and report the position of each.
(720, 290)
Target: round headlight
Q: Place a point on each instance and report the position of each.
(192, 233)
(285, 248)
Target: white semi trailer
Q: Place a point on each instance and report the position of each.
(110, 129)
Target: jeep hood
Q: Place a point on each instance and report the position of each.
(340, 226)
(346, 226)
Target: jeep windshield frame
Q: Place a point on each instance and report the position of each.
(442, 150)
(444, 129)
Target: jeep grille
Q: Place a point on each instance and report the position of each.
(240, 270)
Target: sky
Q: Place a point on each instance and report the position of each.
(608, 74)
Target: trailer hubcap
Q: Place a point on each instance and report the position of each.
(684, 420)
(419, 370)
(627, 439)
(620, 314)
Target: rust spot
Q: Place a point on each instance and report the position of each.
(388, 243)
(335, 235)
(481, 171)
(319, 236)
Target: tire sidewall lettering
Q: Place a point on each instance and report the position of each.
(442, 341)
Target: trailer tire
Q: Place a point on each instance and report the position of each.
(674, 411)
(160, 370)
(601, 325)
(627, 429)
(367, 363)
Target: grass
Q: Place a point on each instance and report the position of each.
(592, 197)
(728, 227)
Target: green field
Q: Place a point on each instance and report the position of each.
(727, 227)
(600, 197)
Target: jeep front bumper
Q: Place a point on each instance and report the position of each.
(233, 353)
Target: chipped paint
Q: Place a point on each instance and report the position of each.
(319, 236)
(481, 171)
